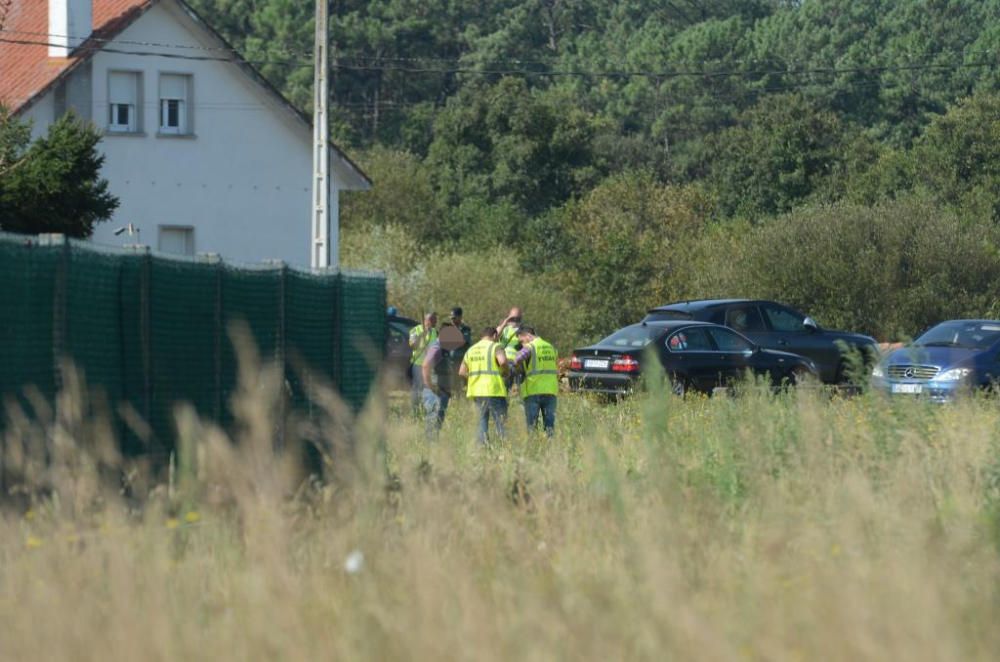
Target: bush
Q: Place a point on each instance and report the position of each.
(486, 284)
(625, 248)
(889, 270)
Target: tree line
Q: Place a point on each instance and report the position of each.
(619, 153)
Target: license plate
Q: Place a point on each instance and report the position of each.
(595, 364)
(907, 388)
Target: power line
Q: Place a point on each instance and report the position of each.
(349, 62)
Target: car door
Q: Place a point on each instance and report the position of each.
(746, 318)
(788, 333)
(691, 354)
(734, 354)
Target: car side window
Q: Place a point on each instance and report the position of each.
(745, 318)
(397, 336)
(692, 339)
(782, 319)
(727, 341)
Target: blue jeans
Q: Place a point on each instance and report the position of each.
(416, 388)
(495, 408)
(544, 405)
(435, 406)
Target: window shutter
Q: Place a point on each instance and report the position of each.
(121, 88)
(173, 87)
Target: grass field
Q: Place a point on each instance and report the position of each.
(757, 527)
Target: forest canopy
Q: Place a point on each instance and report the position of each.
(518, 124)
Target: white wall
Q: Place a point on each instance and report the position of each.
(243, 180)
(40, 114)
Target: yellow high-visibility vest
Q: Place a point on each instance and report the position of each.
(508, 336)
(417, 358)
(485, 380)
(541, 377)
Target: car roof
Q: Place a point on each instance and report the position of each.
(699, 304)
(666, 325)
(968, 321)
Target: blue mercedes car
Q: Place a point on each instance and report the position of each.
(951, 358)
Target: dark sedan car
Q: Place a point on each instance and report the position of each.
(949, 359)
(775, 326)
(397, 348)
(695, 355)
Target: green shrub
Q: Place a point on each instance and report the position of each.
(486, 284)
(889, 270)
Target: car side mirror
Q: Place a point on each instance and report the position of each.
(810, 325)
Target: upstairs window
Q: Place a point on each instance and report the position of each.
(175, 107)
(123, 102)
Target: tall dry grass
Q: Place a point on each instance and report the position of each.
(760, 527)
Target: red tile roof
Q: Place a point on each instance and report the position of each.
(26, 70)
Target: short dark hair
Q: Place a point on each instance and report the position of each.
(524, 328)
(489, 332)
(456, 311)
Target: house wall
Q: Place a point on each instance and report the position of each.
(243, 180)
(40, 114)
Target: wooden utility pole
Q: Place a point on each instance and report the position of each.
(325, 245)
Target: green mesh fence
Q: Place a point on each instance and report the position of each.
(27, 324)
(311, 320)
(183, 329)
(149, 332)
(361, 334)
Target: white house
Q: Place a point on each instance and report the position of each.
(203, 153)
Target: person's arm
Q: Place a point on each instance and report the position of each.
(523, 355)
(463, 370)
(501, 357)
(415, 339)
(426, 367)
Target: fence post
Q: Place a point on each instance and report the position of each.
(60, 307)
(281, 346)
(145, 327)
(217, 335)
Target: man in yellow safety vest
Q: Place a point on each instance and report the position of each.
(540, 387)
(421, 336)
(507, 331)
(484, 366)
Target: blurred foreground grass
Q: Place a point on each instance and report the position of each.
(758, 527)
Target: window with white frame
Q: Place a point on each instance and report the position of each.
(123, 101)
(175, 106)
(176, 239)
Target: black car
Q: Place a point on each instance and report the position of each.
(695, 355)
(775, 326)
(397, 348)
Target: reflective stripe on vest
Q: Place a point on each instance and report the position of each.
(485, 380)
(542, 374)
(417, 358)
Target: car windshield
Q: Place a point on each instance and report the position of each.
(966, 335)
(633, 336)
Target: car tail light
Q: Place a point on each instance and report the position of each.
(625, 364)
(575, 363)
